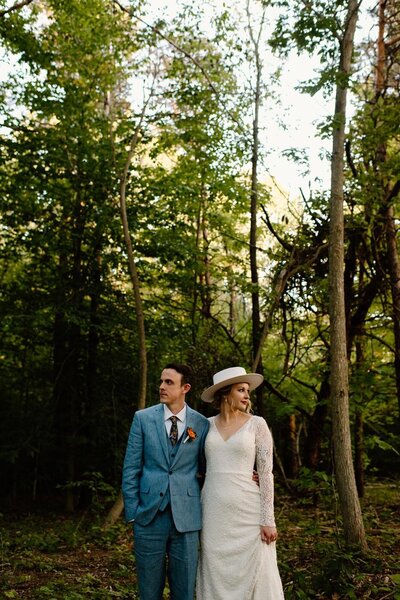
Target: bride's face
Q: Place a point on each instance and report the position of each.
(239, 397)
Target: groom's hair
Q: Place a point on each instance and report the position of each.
(185, 371)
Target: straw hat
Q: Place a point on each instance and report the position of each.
(229, 377)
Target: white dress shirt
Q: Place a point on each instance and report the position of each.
(181, 422)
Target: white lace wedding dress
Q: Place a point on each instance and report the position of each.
(234, 563)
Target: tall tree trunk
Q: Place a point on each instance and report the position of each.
(118, 506)
(359, 458)
(344, 471)
(141, 399)
(68, 390)
(196, 276)
(255, 293)
(90, 400)
(206, 287)
(394, 271)
(393, 261)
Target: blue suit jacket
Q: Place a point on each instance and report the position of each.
(149, 473)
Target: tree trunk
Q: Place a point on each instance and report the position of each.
(359, 457)
(66, 399)
(68, 390)
(389, 214)
(312, 452)
(359, 453)
(255, 293)
(394, 271)
(349, 502)
(115, 512)
(141, 400)
(196, 275)
(294, 454)
(206, 288)
(118, 506)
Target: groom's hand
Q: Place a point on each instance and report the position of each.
(256, 478)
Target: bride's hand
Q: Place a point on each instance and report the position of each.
(268, 534)
(256, 478)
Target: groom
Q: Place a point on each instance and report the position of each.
(163, 463)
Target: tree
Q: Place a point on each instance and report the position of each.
(388, 39)
(350, 506)
(59, 144)
(255, 37)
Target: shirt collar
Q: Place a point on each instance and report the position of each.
(181, 414)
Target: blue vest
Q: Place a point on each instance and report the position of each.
(172, 453)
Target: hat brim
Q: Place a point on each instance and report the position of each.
(253, 379)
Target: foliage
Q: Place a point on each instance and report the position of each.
(59, 222)
(48, 555)
(315, 565)
(72, 560)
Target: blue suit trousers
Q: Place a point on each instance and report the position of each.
(160, 551)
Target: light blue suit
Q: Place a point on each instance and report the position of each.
(161, 492)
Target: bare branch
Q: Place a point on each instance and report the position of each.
(228, 334)
(190, 57)
(394, 191)
(393, 40)
(282, 279)
(171, 43)
(305, 384)
(284, 398)
(372, 336)
(349, 157)
(283, 243)
(15, 6)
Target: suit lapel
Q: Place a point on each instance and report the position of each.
(160, 426)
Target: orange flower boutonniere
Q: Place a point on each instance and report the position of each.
(191, 435)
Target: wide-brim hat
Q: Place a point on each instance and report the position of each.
(229, 377)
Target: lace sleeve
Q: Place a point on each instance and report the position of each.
(264, 457)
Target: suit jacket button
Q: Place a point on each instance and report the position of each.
(170, 472)
(161, 494)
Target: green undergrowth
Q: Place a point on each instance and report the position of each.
(316, 563)
(50, 556)
(71, 558)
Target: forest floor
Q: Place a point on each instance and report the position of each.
(51, 556)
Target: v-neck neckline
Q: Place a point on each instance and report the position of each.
(234, 433)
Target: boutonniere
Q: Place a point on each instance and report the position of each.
(191, 435)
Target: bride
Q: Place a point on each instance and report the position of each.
(238, 552)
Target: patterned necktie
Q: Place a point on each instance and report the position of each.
(173, 434)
